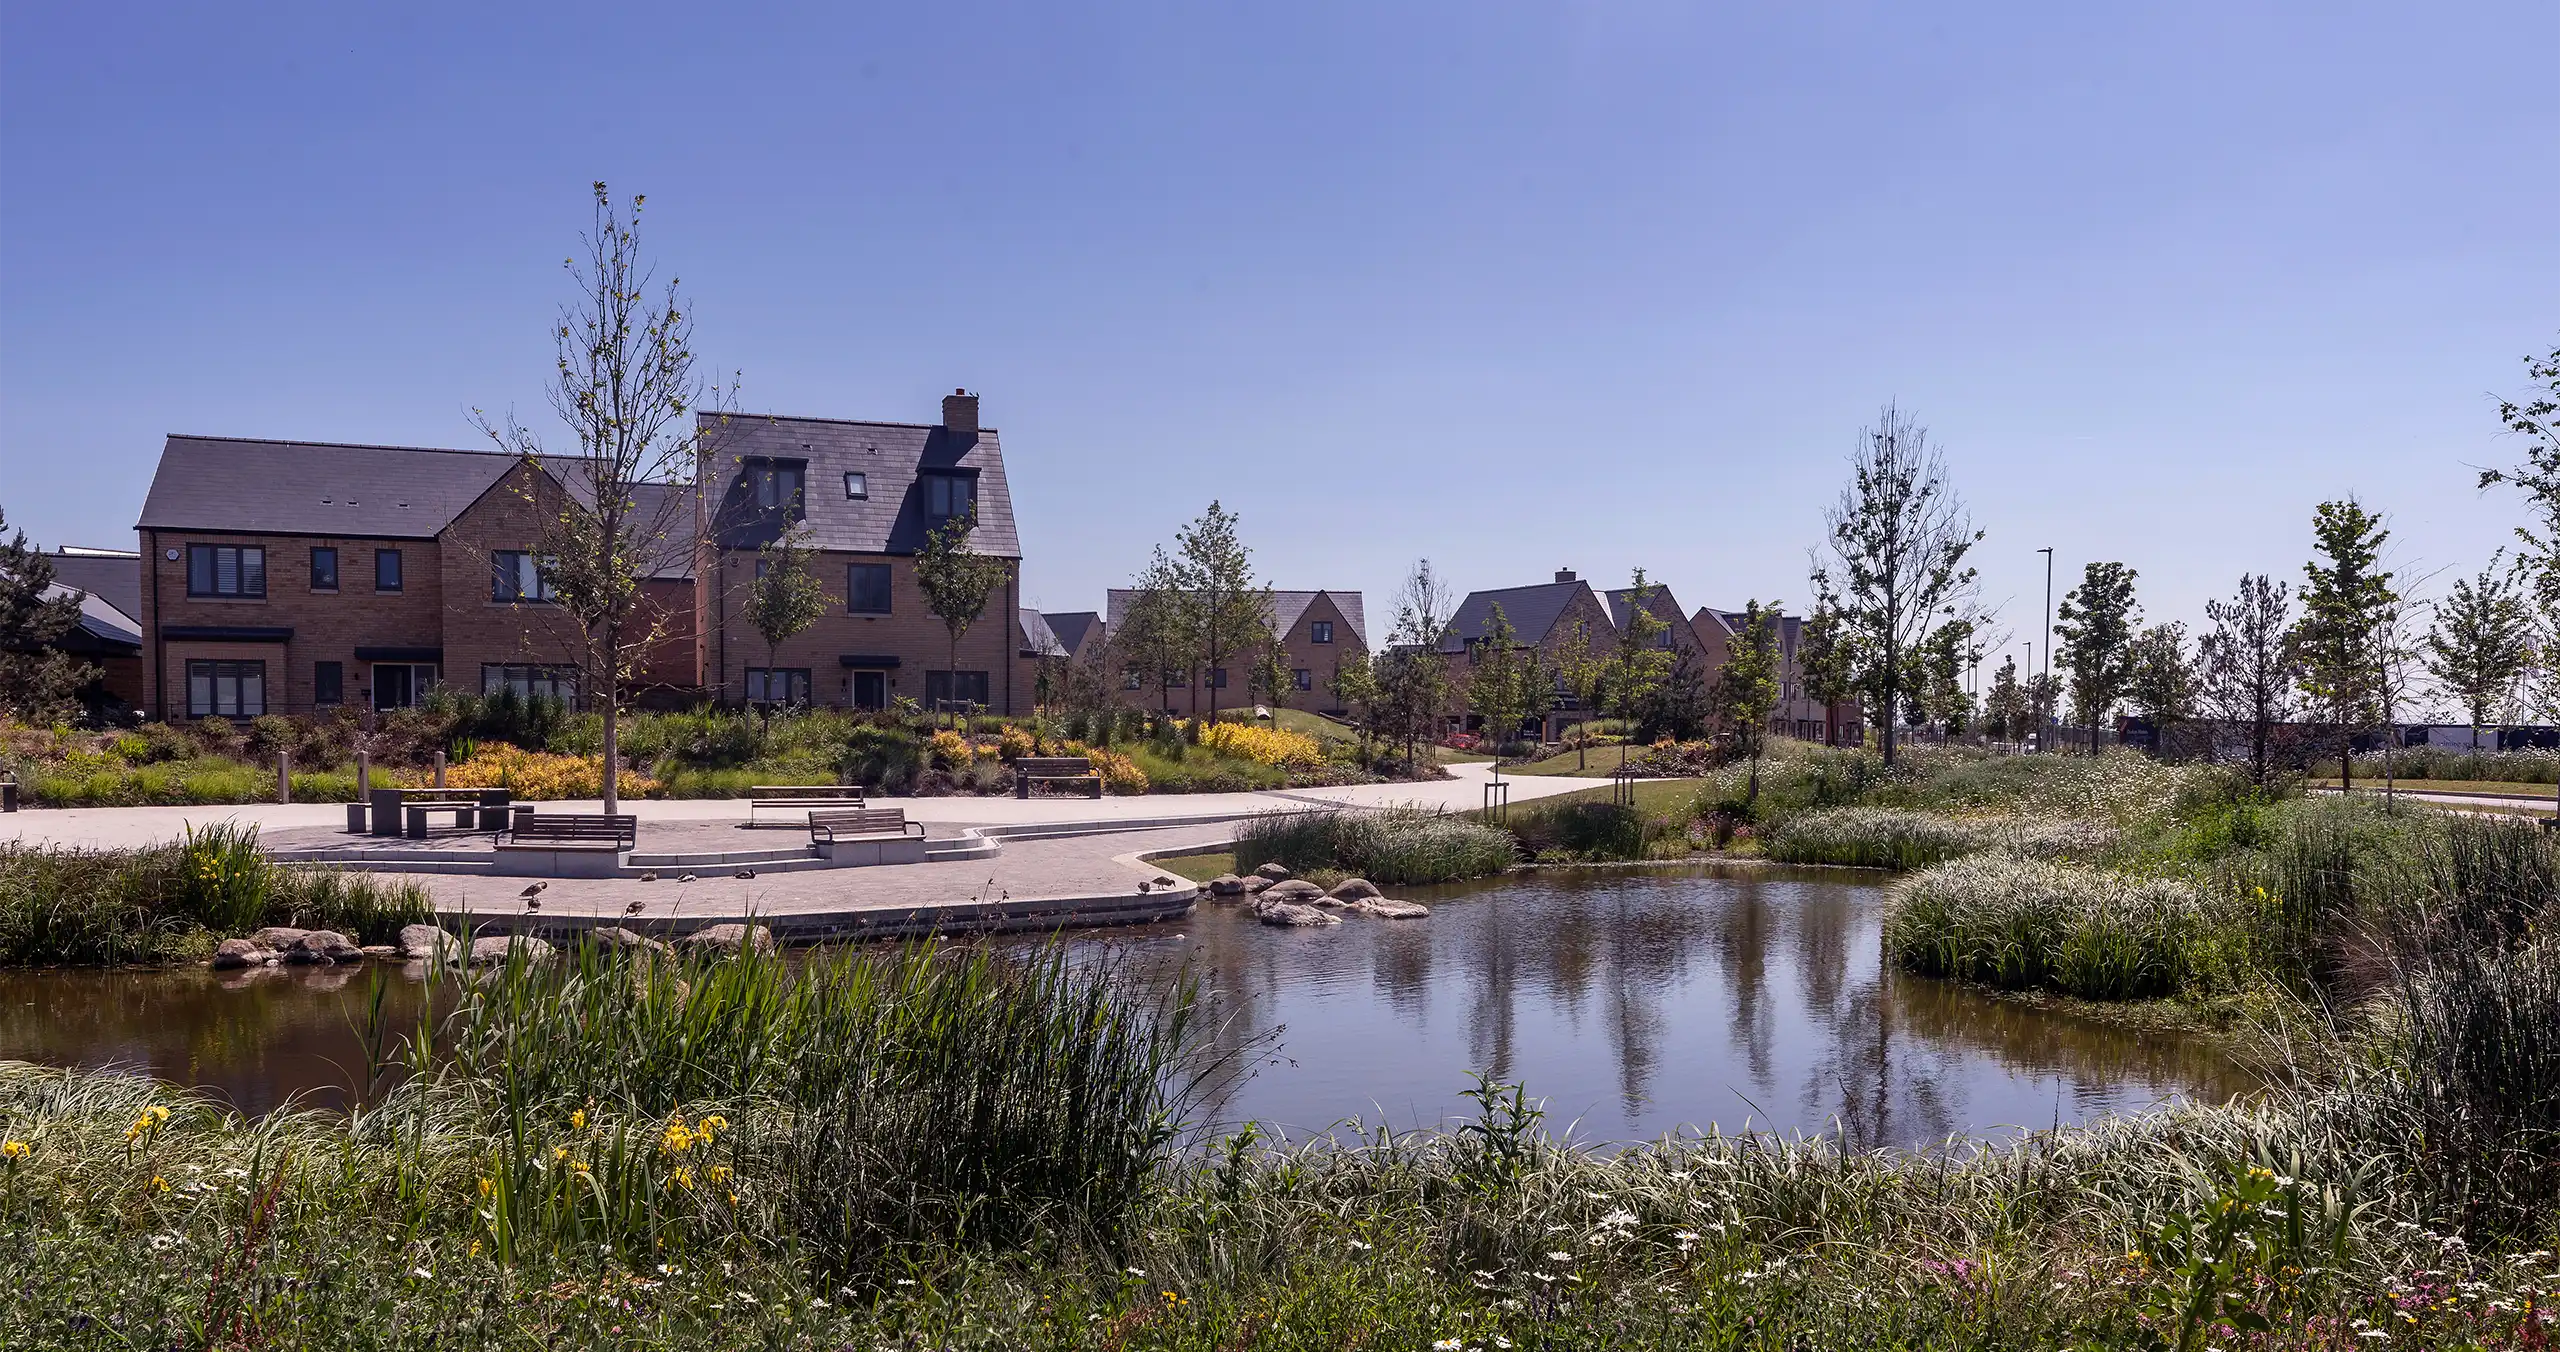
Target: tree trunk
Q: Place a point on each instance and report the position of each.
(612, 721)
(1751, 787)
(2346, 758)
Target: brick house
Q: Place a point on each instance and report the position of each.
(1319, 632)
(109, 584)
(867, 494)
(1798, 715)
(1545, 616)
(299, 577)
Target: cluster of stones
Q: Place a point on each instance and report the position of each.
(1276, 898)
(283, 946)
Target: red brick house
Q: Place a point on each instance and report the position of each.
(1319, 631)
(1546, 616)
(1798, 715)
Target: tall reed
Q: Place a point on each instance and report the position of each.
(1396, 846)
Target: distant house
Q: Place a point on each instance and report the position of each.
(109, 584)
(1080, 632)
(1545, 616)
(1319, 631)
(1798, 714)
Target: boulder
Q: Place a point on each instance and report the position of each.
(727, 939)
(1274, 872)
(277, 938)
(320, 947)
(1385, 909)
(494, 949)
(1256, 886)
(383, 952)
(1295, 890)
(1354, 889)
(1290, 914)
(623, 940)
(232, 954)
(425, 941)
(1226, 885)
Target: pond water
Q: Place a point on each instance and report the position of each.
(1634, 1002)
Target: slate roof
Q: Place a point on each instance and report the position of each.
(1286, 608)
(111, 575)
(1070, 626)
(315, 488)
(891, 456)
(1621, 604)
(1037, 638)
(100, 617)
(1532, 611)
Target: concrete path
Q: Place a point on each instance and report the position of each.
(2517, 804)
(126, 827)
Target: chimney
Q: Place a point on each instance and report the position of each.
(1564, 575)
(960, 413)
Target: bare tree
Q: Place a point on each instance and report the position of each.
(612, 510)
(1898, 537)
(2248, 667)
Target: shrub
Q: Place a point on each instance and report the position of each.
(2029, 924)
(539, 776)
(1261, 745)
(1873, 837)
(1014, 743)
(1202, 771)
(1584, 829)
(1120, 775)
(1396, 846)
(168, 901)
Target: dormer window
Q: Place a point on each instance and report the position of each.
(950, 495)
(776, 484)
(857, 485)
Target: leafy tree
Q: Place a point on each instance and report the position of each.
(956, 582)
(2536, 418)
(2160, 681)
(2345, 597)
(1231, 613)
(1933, 687)
(786, 596)
(2482, 641)
(1583, 667)
(1270, 675)
(1825, 660)
(624, 383)
(2096, 624)
(1678, 707)
(1898, 537)
(2247, 667)
(1505, 685)
(1355, 683)
(1413, 679)
(2005, 710)
(39, 683)
(1157, 635)
(1640, 663)
(2044, 696)
(1747, 689)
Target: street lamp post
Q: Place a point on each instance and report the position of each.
(2044, 741)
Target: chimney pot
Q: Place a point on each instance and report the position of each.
(1564, 575)
(960, 413)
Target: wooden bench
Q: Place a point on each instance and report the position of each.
(831, 827)
(801, 797)
(1030, 770)
(573, 831)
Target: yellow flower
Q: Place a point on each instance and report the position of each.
(578, 1166)
(718, 1173)
(559, 1153)
(13, 1150)
(578, 1120)
(678, 1139)
(159, 1184)
(682, 1178)
(485, 1186)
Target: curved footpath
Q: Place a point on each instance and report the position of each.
(1048, 863)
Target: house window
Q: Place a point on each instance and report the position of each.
(530, 681)
(1303, 679)
(777, 485)
(1132, 681)
(778, 685)
(950, 495)
(402, 685)
(328, 683)
(226, 689)
(943, 689)
(1319, 631)
(324, 568)
(226, 570)
(515, 576)
(856, 484)
(867, 588)
(1217, 678)
(386, 570)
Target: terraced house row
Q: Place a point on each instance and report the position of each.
(294, 576)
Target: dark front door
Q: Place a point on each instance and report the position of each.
(391, 689)
(871, 690)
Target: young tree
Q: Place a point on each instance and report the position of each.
(2482, 641)
(1270, 675)
(1746, 690)
(1583, 668)
(1899, 536)
(2005, 711)
(2345, 595)
(39, 683)
(1505, 685)
(2096, 624)
(1825, 660)
(1641, 662)
(1678, 707)
(2044, 697)
(1157, 635)
(2247, 667)
(2160, 682)
(1933, 687)
(1412, 678)
(956, 582)
(786, 597)
(1355, 683)
(1232, 613)
(624, 384)
(2536, 418)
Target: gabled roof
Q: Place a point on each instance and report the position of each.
(1622, 602)
(1531, 611)
(1070, 626)
(891, 457)
(99, 617)
(112, 575)
(1037, 639)
(1287, 608)
(315, 488)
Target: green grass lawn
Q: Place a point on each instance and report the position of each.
(1600, 764)
(1660, 796)
(1199, 868)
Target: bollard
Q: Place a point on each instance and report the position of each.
(364, 777)
(439, 769)
(284, 776)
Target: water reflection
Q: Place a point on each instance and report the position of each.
(1635, 1003)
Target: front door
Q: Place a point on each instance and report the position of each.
(871, 690)
(400, 685)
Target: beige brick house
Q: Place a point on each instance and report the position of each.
(1319, 631)
(1546, 616)
(1798, 714)
(867, 493)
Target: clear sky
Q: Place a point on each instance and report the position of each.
(1514, 287)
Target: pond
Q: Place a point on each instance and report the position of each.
(1634, 1002)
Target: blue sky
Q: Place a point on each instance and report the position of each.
(1513, 287)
